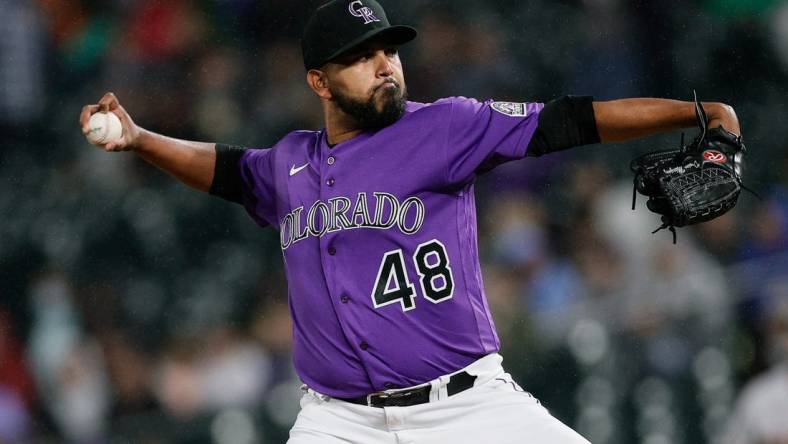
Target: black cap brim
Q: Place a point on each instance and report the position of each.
(397, 35)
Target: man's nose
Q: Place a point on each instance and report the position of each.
(384, 66)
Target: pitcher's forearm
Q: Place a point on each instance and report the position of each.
(190, 162)
(625, 119)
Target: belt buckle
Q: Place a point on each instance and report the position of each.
(402, 393)
(378, 395)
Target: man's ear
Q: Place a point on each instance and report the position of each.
(318, 81)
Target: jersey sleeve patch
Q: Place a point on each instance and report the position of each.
(483, 135)
(512, 109)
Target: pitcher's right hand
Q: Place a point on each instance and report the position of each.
(110, 103)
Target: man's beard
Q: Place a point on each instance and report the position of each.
(365, 112)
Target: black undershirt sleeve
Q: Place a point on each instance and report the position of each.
(564, 123)
(227, 182)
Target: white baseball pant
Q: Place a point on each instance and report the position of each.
(494, 410)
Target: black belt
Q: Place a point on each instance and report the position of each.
(420, 395)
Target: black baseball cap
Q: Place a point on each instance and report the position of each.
(341, 25)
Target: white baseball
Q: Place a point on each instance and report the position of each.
(104, 128)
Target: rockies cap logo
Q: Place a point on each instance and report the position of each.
(357, 9)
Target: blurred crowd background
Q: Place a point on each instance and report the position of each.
(133, 309)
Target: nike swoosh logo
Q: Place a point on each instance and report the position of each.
(294, 170)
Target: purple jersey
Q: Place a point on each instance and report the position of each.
(378, 236)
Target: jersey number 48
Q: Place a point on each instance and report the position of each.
(432, 264)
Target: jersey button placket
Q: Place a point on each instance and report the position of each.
(363, 345)
(327, 242)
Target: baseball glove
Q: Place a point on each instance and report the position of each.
(695, 183)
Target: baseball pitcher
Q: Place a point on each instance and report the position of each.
(393, 336)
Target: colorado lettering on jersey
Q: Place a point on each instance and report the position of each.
(341, 213)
